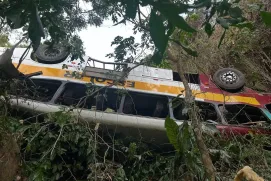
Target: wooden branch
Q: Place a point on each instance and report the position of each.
(142, 13)
(139, 17)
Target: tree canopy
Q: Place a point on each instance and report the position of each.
(59, 21)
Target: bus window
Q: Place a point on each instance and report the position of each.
(207, 111)
(72, 94)
(240, 113)
(37, 89)
(79, 95)
(146, 105)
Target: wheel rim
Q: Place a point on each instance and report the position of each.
(229, 77)
(51, 52)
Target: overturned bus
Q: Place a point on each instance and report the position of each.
(142, 100)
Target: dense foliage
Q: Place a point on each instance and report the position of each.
(61, 20)
(59, 147)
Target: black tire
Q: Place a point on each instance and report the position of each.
(229, 79)
(54, 55)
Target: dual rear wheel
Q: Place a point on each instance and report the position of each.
(229, 79)
(51, 55)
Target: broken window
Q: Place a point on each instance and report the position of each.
(207, 110)
(146, 105)
(191, 78)
(268, 106)
(242, 114)
(81, 95)
(37, 89)
(178, 106)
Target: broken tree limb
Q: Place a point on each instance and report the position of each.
(6, 65)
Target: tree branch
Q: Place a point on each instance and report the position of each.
(57, 139)
(139, 17)
(195, 119)
(139, 24)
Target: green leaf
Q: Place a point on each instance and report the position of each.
(157, 57)
(64, 66)
(158, 35)
(120, 175)
(57, 176)
(266, 17)
(54, 168)
(201, 4)
(182, 24)
(222, 38)
(226, 23)
(167, 7)
(235, 21)
(172, 130)
(131, 8)
(208, 29)
(172, 13)
(28, 147)
(235, 12)
(223, 22)
(35, 29)
(248, 25)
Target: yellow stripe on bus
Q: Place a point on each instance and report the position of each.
(53, 72)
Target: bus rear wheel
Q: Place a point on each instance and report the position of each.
(51, 55)
(229, 79)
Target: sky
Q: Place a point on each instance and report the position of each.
(97, 40)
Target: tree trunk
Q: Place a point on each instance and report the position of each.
(196, 121)
(9, 157)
